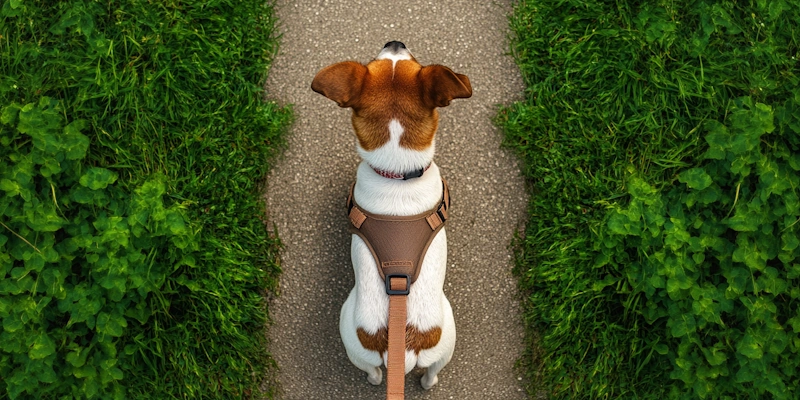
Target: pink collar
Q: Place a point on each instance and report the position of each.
(406, 176)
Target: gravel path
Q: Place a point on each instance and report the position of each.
(309, 185)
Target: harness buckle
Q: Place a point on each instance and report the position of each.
(414, 174)
(393, 292)
(442, 212)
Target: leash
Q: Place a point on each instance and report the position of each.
(397, 288)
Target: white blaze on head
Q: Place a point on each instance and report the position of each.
(394, 51)
(395, 130)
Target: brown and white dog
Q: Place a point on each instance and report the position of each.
(394, 101)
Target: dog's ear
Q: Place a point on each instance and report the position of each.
(440, 85)
(340, 82)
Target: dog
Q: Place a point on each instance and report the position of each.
(394, 101)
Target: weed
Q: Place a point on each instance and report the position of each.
(133, 252)
(616, 90)
(715, 257)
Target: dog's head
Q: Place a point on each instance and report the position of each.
(392, 95)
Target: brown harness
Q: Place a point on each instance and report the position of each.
(398, 245)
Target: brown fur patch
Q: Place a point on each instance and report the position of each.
(418, 341)
(377, 341)
(415, 340)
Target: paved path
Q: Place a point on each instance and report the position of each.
(307, 191)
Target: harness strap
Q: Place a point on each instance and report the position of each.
(357, 217)
(398, 243)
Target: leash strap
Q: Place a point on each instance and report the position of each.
(396, 353)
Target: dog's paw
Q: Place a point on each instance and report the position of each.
(428, 382)
(375, 377)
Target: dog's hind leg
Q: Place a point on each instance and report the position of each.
(375, 376)
(445, 349)
(374, 373)
(431, 374)
(430, 378)
(365, 360)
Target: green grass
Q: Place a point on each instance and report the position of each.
(157, 262)
(620, 92)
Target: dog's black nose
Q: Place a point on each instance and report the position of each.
(394, 46)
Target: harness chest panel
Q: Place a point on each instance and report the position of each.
(399, 244)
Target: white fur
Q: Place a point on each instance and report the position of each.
(387, 54)
(367, 305)
(395, 158)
